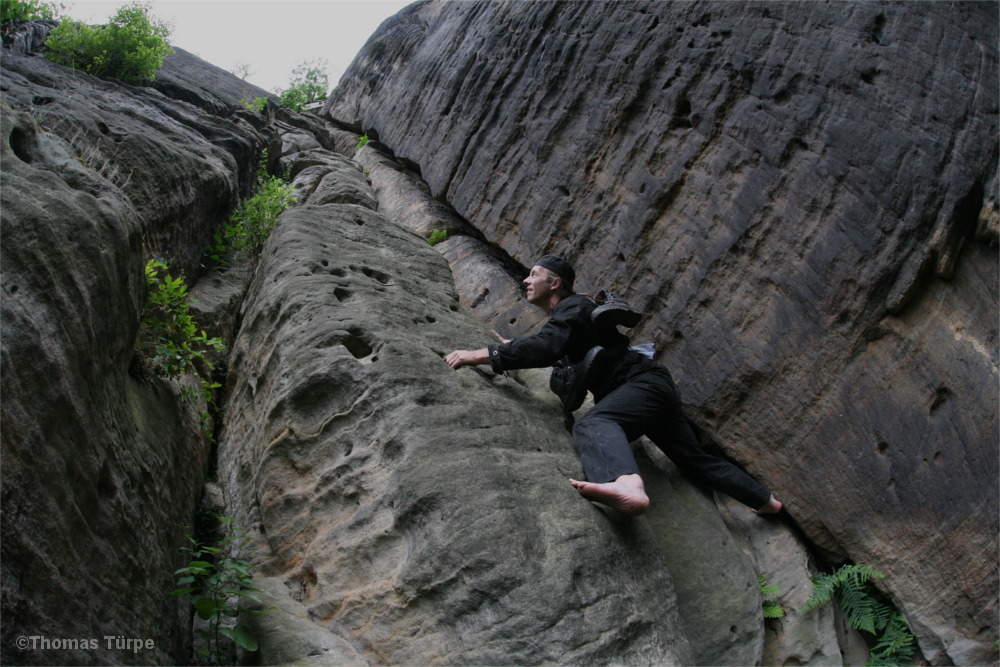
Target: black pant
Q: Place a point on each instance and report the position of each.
(649, 404)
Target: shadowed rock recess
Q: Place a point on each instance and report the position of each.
(801, 196)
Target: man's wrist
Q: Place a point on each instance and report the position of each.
(493, 357)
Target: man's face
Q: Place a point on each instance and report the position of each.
(539, 285)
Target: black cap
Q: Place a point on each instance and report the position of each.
(558, 266)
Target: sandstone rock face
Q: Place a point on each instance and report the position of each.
(99, 470)
(488, 283)
(420, 513)
(803, 199)
(180, 166)
(372, 473)
(828, 305)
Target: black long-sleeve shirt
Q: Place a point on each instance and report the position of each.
(568, 334)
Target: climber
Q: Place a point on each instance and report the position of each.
(633, 396)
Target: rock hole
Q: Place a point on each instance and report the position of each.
(106, 487)
(20, 143)
(340, 273)
(681, 112)
(341, 294)
(882, 447)
(377, 276)
(42, 100)
(357, 347)
(512, 320)
(561, 191)
(878, 29)
(323, 262)
(941, 396)
(431, 320)
(105, 130)
(481, 297)
(938, 457)
(868, 76)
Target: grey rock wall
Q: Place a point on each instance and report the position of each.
(101, 467)
(802, 197)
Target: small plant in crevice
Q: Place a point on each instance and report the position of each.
(362, 142)
(213, 581)
(257, 105)
(891, 640)
(251, 223)
(770, 598)
(242, 70)
(437, 236)
(169, 340)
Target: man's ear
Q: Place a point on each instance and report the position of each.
(557, 282)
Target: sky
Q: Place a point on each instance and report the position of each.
(270, 37)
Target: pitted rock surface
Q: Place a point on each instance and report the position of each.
(421, 513)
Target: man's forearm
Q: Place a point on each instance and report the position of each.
(460, 358)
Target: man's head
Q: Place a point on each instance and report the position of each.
(550, 280)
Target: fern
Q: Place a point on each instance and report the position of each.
(859, 608)
(893, 642)
(852, 577)
(771, 602)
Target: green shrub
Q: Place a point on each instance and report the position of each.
(251, 223)
(28, 10)
(309, 83)
(362, 142)
(892, 643)
(131, 47)
(169, 339)
(169, 336)
(213, 581)
(437, 236)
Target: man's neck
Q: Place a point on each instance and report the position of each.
(553, 302)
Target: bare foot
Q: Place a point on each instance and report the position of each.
(626, 494)
(772, 506)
